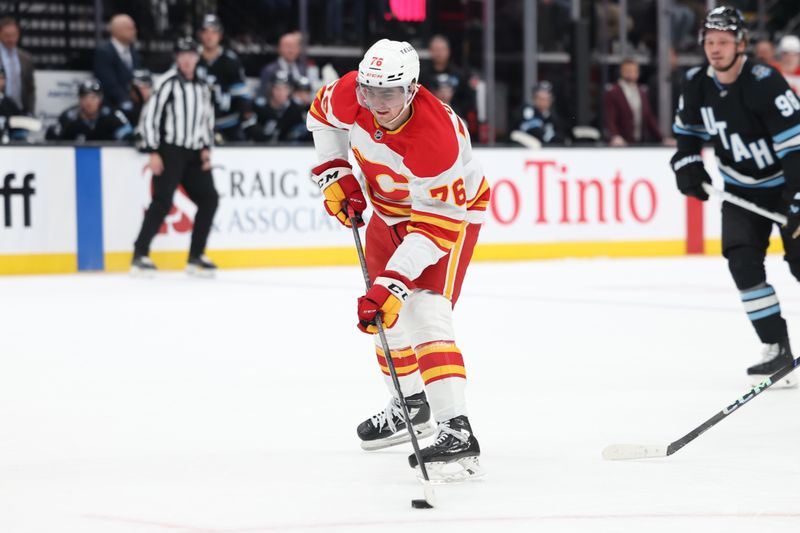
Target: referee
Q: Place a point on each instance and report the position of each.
(177, 131)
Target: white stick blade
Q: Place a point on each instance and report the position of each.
(430, 496)
(526, 139)
(25, 123)
(622, 452)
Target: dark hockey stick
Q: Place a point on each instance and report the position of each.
(428, 501)
(639, 451)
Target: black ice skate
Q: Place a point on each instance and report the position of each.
(775, 356)
(201, 266)
(453, 456)
(142, 266)
(388, 428)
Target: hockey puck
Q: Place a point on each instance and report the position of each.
(421, 504)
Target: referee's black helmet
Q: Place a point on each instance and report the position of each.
(186, 44)
(724, 18)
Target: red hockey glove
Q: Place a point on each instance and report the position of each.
(341, 190)
(386, 297)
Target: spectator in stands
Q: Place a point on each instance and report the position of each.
(141, 89)
(18, 66)
(463, 94)
(443, 87)
(628, 117)
(764, 51)
(223, 71)
(302, 93)
(540, 119)
(789, 55)
(290, 48)
(8, 109)
(278, 118)
(115, 60)
(90, 120)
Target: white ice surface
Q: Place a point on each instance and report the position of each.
(230, 406)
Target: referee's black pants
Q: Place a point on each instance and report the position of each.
(181, 167)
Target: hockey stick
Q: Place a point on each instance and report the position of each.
(21, 122)
(428, 502)
(638, 451)
(744, 204)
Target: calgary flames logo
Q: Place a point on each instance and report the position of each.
(383, 180)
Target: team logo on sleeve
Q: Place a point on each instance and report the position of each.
(761, 71)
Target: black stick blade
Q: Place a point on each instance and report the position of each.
(421, 504)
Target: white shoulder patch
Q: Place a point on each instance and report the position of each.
(692, 72)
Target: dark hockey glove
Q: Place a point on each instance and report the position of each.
(792, 199)
(690, 174)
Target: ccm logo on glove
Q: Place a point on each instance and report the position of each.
(341, 190)
(386, 296)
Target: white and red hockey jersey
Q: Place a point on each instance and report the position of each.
(423, 172)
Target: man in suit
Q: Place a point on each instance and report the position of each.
(115, 60)
(18, 66)
(628, 116)
(290, 48)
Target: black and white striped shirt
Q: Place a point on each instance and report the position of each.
(180, 112)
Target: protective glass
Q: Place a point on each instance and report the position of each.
(381, 97)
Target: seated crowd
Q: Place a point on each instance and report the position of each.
(273, 108)
(109, 104)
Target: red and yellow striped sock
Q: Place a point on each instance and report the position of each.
(442, 370)
(405, 363)
(440, 360)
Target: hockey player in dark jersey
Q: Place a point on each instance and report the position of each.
(141, 89)
(90, 120)
(752, 117)
(278, 118)
(223, 71)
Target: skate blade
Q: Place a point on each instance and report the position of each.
(422, 431)
(464, 469)
(198, 272)
(142, 273)
(788, 381)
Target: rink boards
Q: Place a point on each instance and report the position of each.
(67, 209)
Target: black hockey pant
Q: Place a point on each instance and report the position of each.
(745, 239)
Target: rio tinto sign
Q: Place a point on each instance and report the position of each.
(563, 195)
(267, 199)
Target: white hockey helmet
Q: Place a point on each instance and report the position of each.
(790, 44)
(388, 64)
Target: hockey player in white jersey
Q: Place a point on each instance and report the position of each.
(428, 196)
